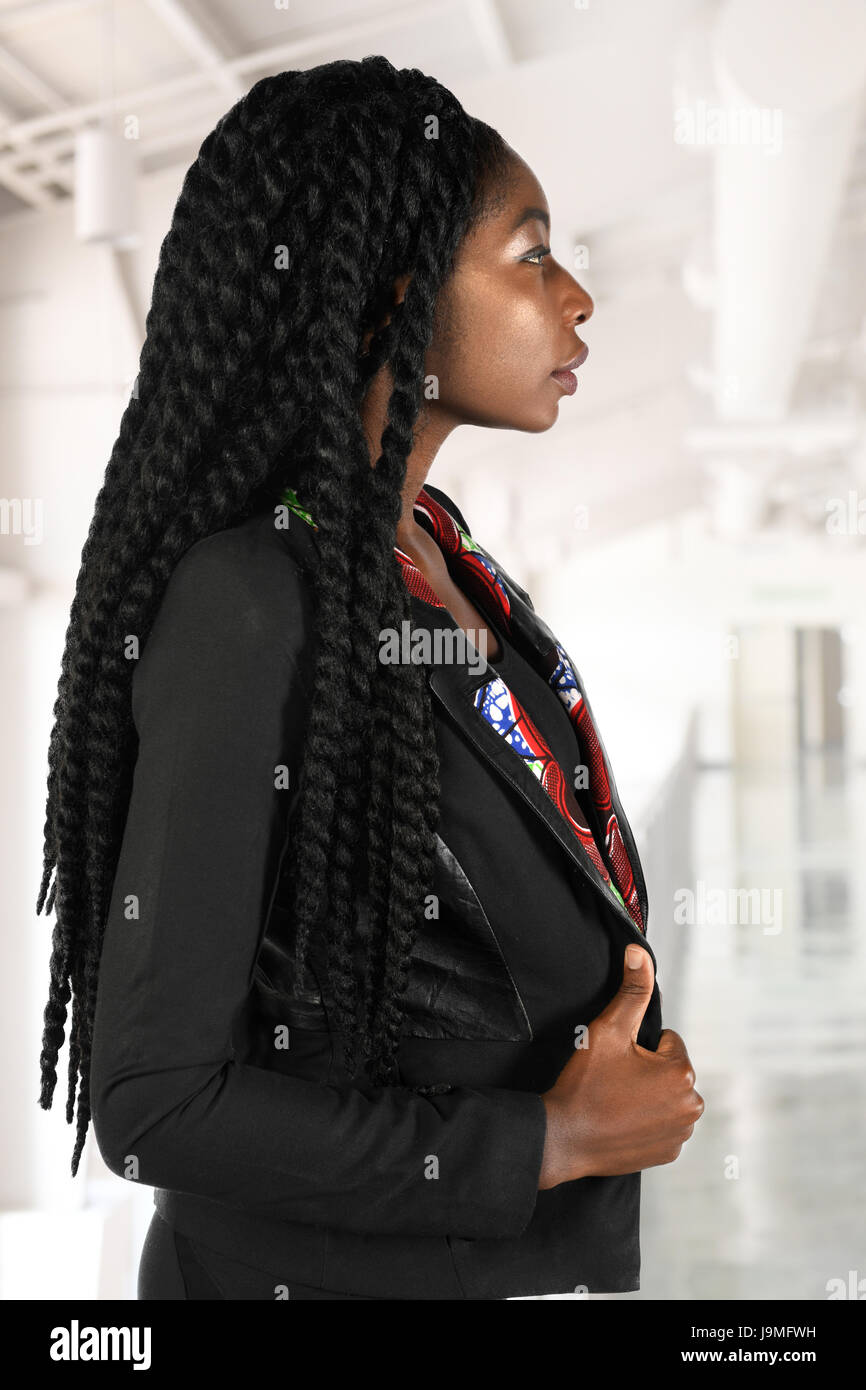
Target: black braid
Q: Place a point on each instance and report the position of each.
(251, 377)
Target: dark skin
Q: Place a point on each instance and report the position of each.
(505, 320)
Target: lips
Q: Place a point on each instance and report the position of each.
(575, 362)
(565, 377)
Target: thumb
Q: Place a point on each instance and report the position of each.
(627, 1007)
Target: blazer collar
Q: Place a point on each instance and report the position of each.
(485, 709)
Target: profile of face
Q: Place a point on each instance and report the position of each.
(506, 319)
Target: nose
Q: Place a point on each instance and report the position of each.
(578, 305)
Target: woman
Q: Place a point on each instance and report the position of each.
(344, 921)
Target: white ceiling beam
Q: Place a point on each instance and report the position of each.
(210, 55)
(22, 185)
(38, 11)
(50, 168)
(54, 155)
(29, 185)
(490, 32)
(28, 189)
(30, 81)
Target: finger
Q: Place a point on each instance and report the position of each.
(625, 1011)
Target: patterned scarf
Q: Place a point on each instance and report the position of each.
(502, 711)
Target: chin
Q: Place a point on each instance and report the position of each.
(534, 417)
(538, 421)
(541, 412)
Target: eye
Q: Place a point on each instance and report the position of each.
(534, 257)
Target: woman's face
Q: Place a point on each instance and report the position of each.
(505, 319)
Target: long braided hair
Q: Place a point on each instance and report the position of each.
(308, 199)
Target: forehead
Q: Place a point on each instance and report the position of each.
(525, 189)
(516, 196)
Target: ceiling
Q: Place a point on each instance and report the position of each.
(175, 66)
(695, 288)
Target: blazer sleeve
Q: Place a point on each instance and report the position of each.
(219, 700)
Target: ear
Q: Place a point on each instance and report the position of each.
(401, 284)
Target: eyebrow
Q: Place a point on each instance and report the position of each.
(528, 214)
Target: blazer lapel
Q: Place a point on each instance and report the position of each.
(530, 760)
(456, 686)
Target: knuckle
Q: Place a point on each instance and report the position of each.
(629, 987)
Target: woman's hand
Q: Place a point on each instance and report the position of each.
(616, 1107)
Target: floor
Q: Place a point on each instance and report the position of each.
(766, 1198)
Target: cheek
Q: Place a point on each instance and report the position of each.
(491, 358)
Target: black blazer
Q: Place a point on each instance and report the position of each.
(215, 1076)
